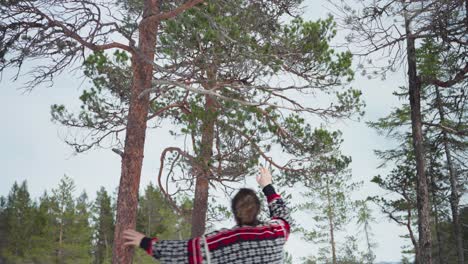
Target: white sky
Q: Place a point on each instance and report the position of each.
(31, 147)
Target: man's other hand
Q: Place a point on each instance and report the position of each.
(132, 237)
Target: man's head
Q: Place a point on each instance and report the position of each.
(245, 207)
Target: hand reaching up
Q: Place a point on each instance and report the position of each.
(264, 178)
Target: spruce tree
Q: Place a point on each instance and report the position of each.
(3, 228)
(79, 238)
(63, 209)
(19, 223)
(103, 217)
(44, 236)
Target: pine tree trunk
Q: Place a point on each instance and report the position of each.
(422, 192)
(60, 251)
(331, 223)
(135, 133)
(200, 205)
(107, 249)
(440, 255)
(454, 197)
(369, 246)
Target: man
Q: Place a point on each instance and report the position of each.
(249, 242)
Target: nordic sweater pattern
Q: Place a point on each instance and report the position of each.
(259, 244)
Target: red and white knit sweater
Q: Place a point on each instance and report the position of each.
(259, 244)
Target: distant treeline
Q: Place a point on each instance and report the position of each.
(61, 228)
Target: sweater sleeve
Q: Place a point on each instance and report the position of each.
(277, 207)
(176, 251)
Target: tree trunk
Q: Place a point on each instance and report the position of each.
(369, 258)
(106, 258)
(440, 255)
(454, 197)
(60, 252)
(200, 205)
(422, 192)
(135, 133)
(331, 223)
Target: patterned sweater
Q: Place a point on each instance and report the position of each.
(259, 244)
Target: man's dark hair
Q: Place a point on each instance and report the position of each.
(246, 207)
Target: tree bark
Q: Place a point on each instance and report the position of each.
(200, 205)
(440, 253)
(331, 223)
(60, 249)
(454, 196)
(422, 192)
(135, 133)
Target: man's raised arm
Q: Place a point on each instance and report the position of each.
(276, 204)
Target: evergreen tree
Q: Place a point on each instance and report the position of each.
(78, 241)
(72, 232)
(397, 28)
(19, 223)
(157, 218)
(448, 122)
(364, 221)
(63, 210)
(401, 181)
(54, 37)
(328, 198)
(215, 62)
(103, 217)
(443, 118)
(3, 228)
(350, 253)
(43, 249)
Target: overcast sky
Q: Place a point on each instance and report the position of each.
(32, 149)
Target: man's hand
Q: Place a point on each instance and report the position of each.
(132, 237)
(264, 178)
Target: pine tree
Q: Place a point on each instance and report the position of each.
(103, 216)
(215, 61)
(43, 238)
(448, 122)
(63, 209)
(3, 227)
(78, 241)
(328, 199)
(364, 221)
(397, 28)
(53, 35)
(72, 232)
(401, 181)
(157, 218)
(350, 253)
(443, 118)
(19, 223)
